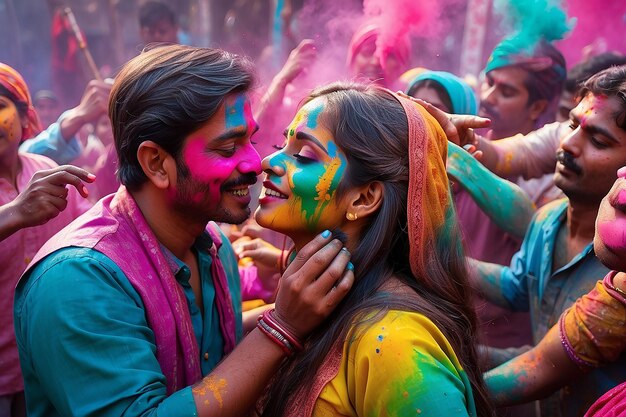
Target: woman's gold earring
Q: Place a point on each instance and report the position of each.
(351, 216)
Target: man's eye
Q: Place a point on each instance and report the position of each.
(598, 144)
(228, 152)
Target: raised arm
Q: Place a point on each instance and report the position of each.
(534, 374)
(486, 278)
(503, 201)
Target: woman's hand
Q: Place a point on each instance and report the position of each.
(315, 282)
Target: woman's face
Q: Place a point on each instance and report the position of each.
(431, 96)
(299, 196)
(371, 63)
(10, 127)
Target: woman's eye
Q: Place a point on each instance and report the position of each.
(303, 159)
(278, 147)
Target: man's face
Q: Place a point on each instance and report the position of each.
(103, 130)
(591, 154)
(609, 242)
(566, 103)
(302, 178)
(10, 127)
(161, 31)
(432, 96)
(218, 164)
(504, 100)
(48, 111)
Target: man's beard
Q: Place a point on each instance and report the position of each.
(187, 203)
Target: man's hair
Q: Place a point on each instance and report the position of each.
(165, 94)
(545, 83)
(585, 69)
(152, 12)
(610, 82)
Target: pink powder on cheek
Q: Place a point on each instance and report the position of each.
(613, 234)
(207, 168)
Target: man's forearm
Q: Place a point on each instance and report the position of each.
(506, 204)
(485, 277)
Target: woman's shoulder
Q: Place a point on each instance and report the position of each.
(401, 329)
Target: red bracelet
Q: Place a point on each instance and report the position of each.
(275, 336)
(269, 318)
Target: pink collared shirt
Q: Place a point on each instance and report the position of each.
(16, 252)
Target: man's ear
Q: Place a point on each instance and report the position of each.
(537, 108)
(365, 200)
(158, 165)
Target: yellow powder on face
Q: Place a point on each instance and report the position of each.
(213, 385)
(324, 184)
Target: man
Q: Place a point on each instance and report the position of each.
(157, 23)
(34, 204)
(130, 309)
(48, 106)
(556, 264)
(520, 92)
(60, 141)
(534, 155)
(522, 86)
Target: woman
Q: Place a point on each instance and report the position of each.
(445, 91)
(371, 60)
(34, 205)
(401, 342)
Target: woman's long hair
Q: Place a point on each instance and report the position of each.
(371, 128)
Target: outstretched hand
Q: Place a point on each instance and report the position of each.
(300, 58)
(45, 196)
(315, 282)
(259, 251)
(459, 128)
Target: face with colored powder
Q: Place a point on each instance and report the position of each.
(609, 242)
(504, 100)
(592, 153)
(299, 196)
(218, 164)
(10, 128)
(370, 63)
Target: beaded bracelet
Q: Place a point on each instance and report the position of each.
(268, 317)
(275, 337)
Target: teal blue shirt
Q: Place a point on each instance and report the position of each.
(84, 342)
(531, 284)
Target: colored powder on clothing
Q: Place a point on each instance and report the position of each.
(425, 375)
